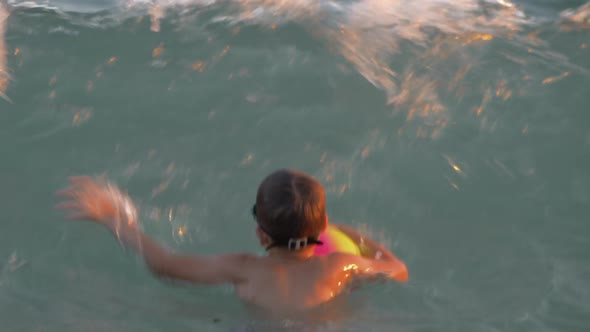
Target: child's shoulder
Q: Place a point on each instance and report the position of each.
(336, 263)
(342, 258)
(348, 265)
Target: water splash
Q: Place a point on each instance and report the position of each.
(14, 263)
(371, 35)
(578, 18)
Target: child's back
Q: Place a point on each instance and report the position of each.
(283, 286)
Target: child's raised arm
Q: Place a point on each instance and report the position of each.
(376, 258)
(105, 204)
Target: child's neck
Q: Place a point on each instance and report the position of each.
(283, 253)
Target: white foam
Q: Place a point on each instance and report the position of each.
(32, 4)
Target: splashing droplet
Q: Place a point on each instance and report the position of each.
(554, 79)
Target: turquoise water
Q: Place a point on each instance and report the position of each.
(456, 132)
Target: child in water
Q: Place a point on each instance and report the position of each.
(290, 214)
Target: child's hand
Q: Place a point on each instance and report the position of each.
(95, 200)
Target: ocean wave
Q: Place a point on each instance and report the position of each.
(369, 34)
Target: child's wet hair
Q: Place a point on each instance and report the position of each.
(290, 204)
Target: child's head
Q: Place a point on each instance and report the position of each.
(290, 205)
